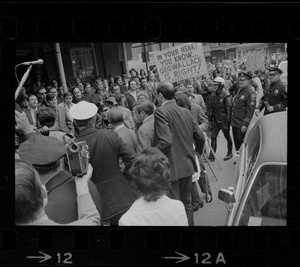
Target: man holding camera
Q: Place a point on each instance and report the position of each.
(105, 148)
(46, 154)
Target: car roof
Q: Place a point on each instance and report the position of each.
(283, 66)
(273, 137)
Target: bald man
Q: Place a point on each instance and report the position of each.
(175, 131)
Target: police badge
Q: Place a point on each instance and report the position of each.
(275, 92)
(242, 97)
(253, 96)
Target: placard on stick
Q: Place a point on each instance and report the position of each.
(181, 62)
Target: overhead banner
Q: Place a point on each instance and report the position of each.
(180, 62)
(255, 60)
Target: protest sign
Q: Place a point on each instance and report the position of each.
(255, 60)
(180, 62)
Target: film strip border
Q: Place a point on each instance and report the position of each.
(219, 22)
(156, 22)
(151, 246)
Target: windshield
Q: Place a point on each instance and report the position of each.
(266, 204)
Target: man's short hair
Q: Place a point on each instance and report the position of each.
(189, 83)
(67, 94)
(115, 85)
(31, 96)
(143, 78)
(85, 123)
(167, 90)
(183, 100)
(28, 192)
(46, 116)
(151, 173)
(115, 116)
(50, 97)
(144, 105)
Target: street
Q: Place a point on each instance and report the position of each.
(215, 213)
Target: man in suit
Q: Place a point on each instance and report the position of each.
(175, 132)
(196, 99)
(63, 120)
(31, 112)
(116, 120)
(105, 148)
(143, 114)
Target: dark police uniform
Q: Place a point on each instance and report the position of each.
(242, 112)
(275, 96)
(221, 115)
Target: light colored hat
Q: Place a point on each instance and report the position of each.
(83, 110)
(219, 80)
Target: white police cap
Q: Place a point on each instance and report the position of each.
(83, 110)
(219, 80)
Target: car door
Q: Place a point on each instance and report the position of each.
(264, 202)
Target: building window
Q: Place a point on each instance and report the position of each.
(83, 63)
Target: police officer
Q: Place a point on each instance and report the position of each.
(221, 115)
(242, 109)
(275, 98)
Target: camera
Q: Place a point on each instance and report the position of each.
(77, 157)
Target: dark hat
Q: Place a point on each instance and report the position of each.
(111, 100)
(41, 150)
(276, 69)
(244, 74)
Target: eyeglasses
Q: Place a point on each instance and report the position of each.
(273, 74)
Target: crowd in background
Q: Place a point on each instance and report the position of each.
(126, 105)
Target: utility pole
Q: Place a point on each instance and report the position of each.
(61, 67)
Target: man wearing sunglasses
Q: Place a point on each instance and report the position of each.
(275, 98)
(42, 93)
(242, 109)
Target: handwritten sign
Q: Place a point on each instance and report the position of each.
(255, 60)
(180, 62)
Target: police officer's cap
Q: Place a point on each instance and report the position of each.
(276, 69)
(111, 100)
(41, 150)
(244, 74)
(83, 110)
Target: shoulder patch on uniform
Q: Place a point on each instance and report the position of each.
(253, 96)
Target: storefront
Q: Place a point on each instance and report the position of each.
(83, 60)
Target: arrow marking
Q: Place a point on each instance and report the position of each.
(44, 258)
(182, 258)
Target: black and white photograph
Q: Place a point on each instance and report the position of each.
(151, 134)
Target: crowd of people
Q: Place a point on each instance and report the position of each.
(146, 141)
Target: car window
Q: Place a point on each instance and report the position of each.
(252, 148)
(266, 204)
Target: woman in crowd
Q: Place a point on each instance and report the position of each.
(151, 179)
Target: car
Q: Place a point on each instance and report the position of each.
(259, 194)
(283, 77)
